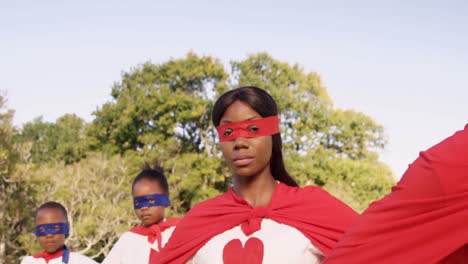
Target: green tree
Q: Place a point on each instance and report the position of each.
(15, 194)
(194, 177)
(41, 135)
(63, 140)
(161, 108)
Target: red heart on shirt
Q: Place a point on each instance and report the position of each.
(251, 253)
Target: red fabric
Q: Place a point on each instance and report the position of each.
(48, 256)
(154, 255)
(318, 215)
(153, 232)
(265, 127)
(252, 253)
(425, 217)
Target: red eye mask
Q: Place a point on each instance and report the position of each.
(251, 128)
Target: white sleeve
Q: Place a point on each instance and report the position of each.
(115, 256)
(316, 252)
(80, 259)
(27, 260)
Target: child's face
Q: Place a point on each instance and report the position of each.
(153, 214)
(51, 242)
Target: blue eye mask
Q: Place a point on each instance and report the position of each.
(151, 200)
(56, 228)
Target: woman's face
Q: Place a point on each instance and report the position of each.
(246, 156)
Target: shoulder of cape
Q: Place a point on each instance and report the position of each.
(212, 202)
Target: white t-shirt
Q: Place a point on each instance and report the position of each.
(75, 258)
(273, 243)
(133, 248)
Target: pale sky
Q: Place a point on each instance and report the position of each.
(404, 63)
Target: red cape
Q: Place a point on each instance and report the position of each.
(425, 217)
(318, 215)
(154, 231)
